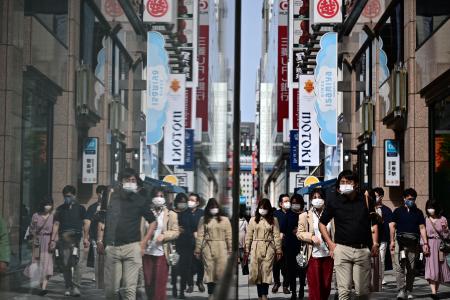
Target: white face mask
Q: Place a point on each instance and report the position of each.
(263, 211)
(296, 206)
(378, 199)
(47, 207)
(192, 204)
(130, 186)
(214, 211)
(286, 205)
(317, 203)
(181, 205)
(346, 188)
(431, 211)
(159, 201)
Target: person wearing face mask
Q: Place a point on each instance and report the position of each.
(385, 214)
(437, 270)
(41, 229)
(69, 220)
(185, 244)
(119, 236)
(406, 228)
(263, 246)
(197, 265)
(156, 255)
(292, 248)
(282, 214)
(213, 244)
(356, 235)
(320, 263)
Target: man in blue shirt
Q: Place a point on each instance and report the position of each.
(284, 202)
(406, 227)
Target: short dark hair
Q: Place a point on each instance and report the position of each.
(180, 197)
(281, 197)
(100, 189)
(127, 173)
(157, 190)
(69, 189)
(346, 174)
(47, 200)
(410, 192)
(197, 196)
(433, 204)
(379, 191)
(298, 198)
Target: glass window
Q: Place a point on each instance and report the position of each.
(431, 14)
(52, 14)
(392, 35)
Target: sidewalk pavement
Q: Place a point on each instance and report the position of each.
(89, 291)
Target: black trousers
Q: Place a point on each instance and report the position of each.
(263, 289)
(279, 266)
(293, 271)
(184, 268)
(197, 268)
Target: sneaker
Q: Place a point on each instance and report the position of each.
(190, 289)
(275, 288)
(410, 296)
(383, 282)
(67, 293)
(201, 287)
(401, 295)
(75, 292)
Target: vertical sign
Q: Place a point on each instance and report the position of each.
(295, 108)
(189, 151)
(159, 11)
(157, 79)
(327, 11)
(187, 59)
(391, 163)
(188, 111)
(293, 136)
(326, 88)
(282, 76)
(203, 64)
(174, 130)
(308, 140)
(90, 161)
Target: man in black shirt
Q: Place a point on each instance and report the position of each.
(119, 237)
(67, 230)
(406, 227)
(354, 234)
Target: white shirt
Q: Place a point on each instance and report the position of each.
(156, 248)
(322, 250)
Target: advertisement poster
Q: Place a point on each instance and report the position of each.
(90, 160)
(391, 163)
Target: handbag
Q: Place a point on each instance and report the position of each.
(174, 257)
(445, 243)
(302, 259)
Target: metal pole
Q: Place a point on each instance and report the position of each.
(236, 133)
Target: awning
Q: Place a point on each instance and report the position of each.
(323, 184)
(151, 183)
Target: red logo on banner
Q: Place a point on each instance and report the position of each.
(284, 5)
(372, 9)
(113, 8)
(157, 8)
(328, 8)
(203, 5)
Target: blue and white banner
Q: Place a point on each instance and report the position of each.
(293, 134)
(326, 92)
(157, 87)
(189, 151)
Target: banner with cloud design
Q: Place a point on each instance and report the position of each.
(326, 88)
(157, 87)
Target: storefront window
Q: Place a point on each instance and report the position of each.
(431, 15)
(441, 142)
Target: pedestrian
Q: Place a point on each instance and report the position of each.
(184, 244)
(408, 224)
(5, 250)
(292, 247)
(284, 202)
(263, 245)
(385, 214)
(69, 220)
(156, 255)
(243, 224)
(437, 270)
(41, 229)
(213, 243)
(320, 262)
(119, 236)
(93, 216)
(197, 265)
(356, 238)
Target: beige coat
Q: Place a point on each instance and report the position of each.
(170, 229)
(305, 230)
(214, 243)
(262, 242)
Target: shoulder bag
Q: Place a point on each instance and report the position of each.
(445, 243)
(302, 258)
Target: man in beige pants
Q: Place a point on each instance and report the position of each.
(351, 212)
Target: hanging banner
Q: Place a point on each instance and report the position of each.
(301, 33)
(327, 11)
(188, 103)
(203, 65)
(90, 161)
(189, 150)
(174, 130)
(391, 163)
(293, 136)
(308, 140)
(160, 11)
(157, 87)
(301, 9)
(187, 59)
(282, 76)
(325, 75)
